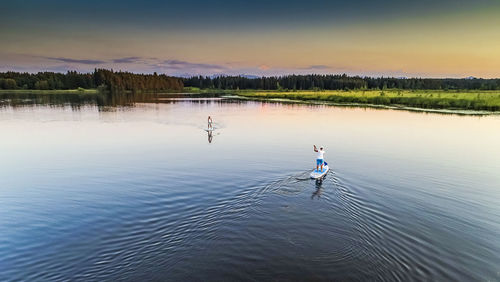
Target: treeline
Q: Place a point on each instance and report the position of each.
(120, 81)
(338, 82)
(100, 78)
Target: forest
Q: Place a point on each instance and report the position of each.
(101, 78)
(127, 81)
(339, 82)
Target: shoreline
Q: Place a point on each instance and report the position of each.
(461, 101)
(432, 98)
(58, 91)
(362, 105)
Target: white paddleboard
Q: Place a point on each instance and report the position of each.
(318, 173)
(209, 129)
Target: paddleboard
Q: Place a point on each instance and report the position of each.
(209, 129)
(318, 173)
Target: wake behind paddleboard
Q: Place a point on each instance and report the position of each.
(315, 174)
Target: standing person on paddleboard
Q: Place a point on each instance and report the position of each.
(210, 123)
(320, 159)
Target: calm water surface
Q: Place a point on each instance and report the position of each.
(142, 192)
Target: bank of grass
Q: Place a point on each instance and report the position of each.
(33, 91)
(196, 90)
(426, 99)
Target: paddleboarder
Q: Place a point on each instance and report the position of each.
(210, 123)
(320, 158)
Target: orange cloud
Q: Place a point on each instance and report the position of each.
(264, 67)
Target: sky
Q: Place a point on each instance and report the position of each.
(426, 38)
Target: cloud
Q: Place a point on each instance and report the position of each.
(178, 65)
(150, 64)
(76, 61)
(141, 64)
(264, 67)
(317, 67)
(127, 60)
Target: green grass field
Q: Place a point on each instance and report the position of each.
(426, 99)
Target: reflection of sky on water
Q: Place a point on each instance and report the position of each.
(145, 183)
(259, 129)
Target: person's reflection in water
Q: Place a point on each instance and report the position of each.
(317, 193)
(210, 136)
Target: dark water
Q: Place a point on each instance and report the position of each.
(137, 192)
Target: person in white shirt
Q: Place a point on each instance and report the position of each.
(320, 158)
(210, 123)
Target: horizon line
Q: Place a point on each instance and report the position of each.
(250, 76)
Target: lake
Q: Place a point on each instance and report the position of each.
(131, 191)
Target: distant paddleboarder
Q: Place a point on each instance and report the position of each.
(210, 123)
(320, 158)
